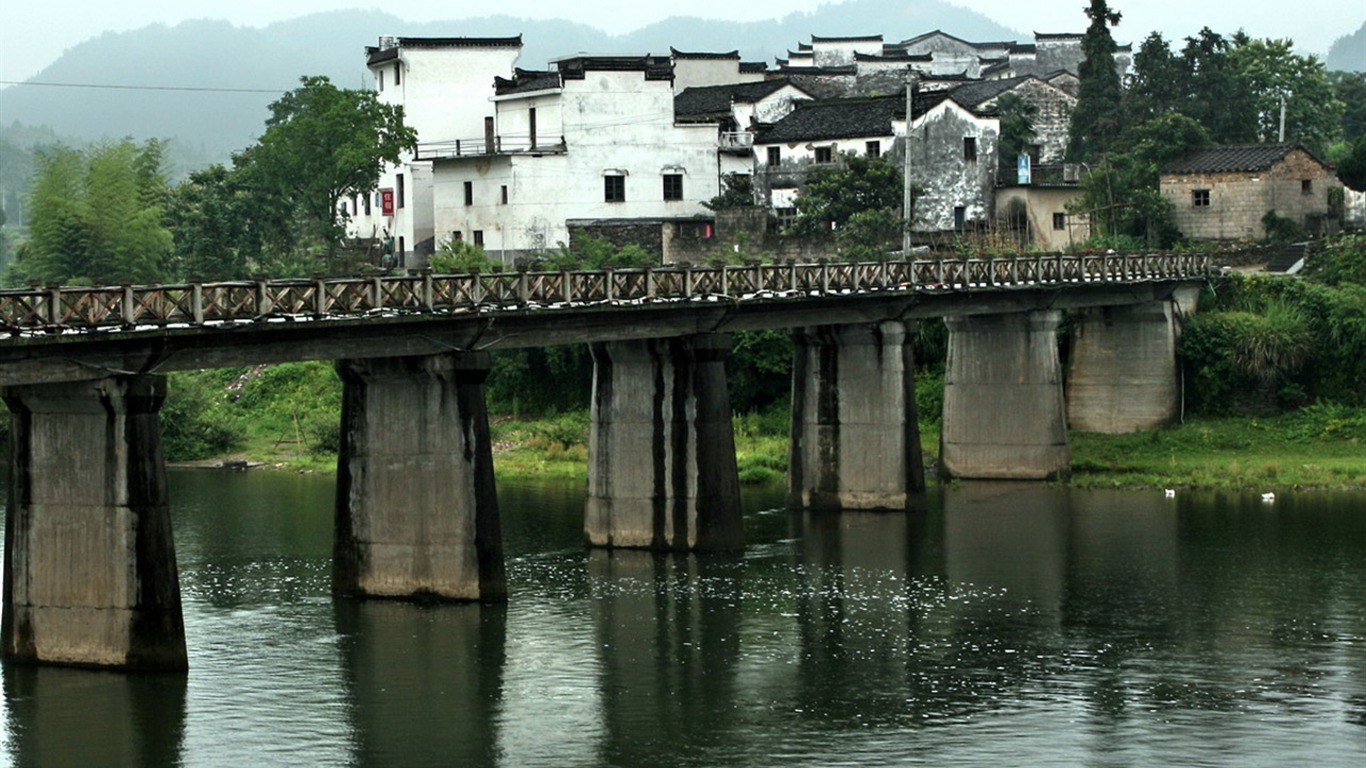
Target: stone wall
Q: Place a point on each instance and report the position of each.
(1239, 200)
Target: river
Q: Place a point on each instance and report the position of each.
(1011, 624)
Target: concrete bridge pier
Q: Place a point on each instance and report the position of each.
(1123, 372)
(1004, 414)
(417, 513)
(90, 573)
(855, 440)
(661, 451)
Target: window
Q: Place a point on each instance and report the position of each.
(873, 149)
(614, 188)
(1059, 221)
(366, 199)
(960, 216)
(786, 217)
(1200, 198)
(1307, 187)
(469, 193)
(398, 184)
(531, 120)
(503, 192)
(458, 235)
(775, 155)
(479, 237)
(381, 79)
(398, 74)
(825, 155)
(970, 148)
(673, 186)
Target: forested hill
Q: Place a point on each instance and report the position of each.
(1348, 53)
(265, 62)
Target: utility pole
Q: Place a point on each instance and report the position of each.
(906, 167)
(1280, 137)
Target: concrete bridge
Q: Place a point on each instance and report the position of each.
(90, 575)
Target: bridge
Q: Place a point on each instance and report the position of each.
(90, 575)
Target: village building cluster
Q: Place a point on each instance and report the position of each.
(519, 161)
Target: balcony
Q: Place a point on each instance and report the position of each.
(487, 146)
(737, 142)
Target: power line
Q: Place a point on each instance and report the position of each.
(142, 87)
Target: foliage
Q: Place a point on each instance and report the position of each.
(870, 235)
(323, 144)
(1352, 168)
(1340, 260)
(835, 193)
(759, 369)
(197, 421)
(1017, 128)
(459, 257)
(96, 217)
(1281, 230)
(1121, 193)
(1216, 94)
(737, 191)
(1276, 76)
(1350, 89)
(1096, 122)
(540, 380)
(592, 252)
(216, 221)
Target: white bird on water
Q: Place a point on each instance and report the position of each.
(1268, 497)
(1170, 493)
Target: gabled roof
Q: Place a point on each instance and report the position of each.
(525, 81)
(975, 93)
(677, 54)
(700, 103)
(1234, 159)
(836, 119)
(940, 33)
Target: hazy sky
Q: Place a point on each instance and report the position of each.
(33, 33)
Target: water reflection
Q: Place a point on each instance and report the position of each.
(424, 683)
(61, 717)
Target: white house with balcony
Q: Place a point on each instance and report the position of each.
(593, 138)
(443, 85)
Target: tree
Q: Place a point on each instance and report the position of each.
(835, 193)
(1156, 82)
(1016, 118)
(323, 144)
(1216, 93)
(1350, 89)
(737, 191)
(1121, 193)
(97, 217)
(1276, 77)
(1352, 168)
(1095, 120)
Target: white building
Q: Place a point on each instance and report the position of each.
(443, 85)
(593, 138)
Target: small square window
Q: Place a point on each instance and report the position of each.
(1200, 198)
(1059, 221)
(614, 188)
(873, 149)
(1307, 187)
(825, 155)
(775, 155)
(673, 186)
(970, 148)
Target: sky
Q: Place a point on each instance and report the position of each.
(34, 33)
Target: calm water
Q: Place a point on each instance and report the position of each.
(1011, 625)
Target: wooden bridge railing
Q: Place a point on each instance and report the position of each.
(190, 304)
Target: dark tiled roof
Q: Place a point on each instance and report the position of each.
(753, 67)
(893, 56)
(375, 54)
(677, 54)
(1058, 35)
(976, 93)
(713, 101)
(810, 70)
(836, 119)
(654, 67)
(846, 39)
(525, 81)
(1022, 48)
(1248, 157)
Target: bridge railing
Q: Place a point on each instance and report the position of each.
(58, 308)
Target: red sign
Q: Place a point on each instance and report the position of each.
(386, 201)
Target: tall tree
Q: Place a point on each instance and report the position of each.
(96, 217)
(323, 144)
(1278, 78)
(1096, 120)
(1216, 93)
(1155, 84)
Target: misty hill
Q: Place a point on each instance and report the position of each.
(237, 71)
(1348, 53)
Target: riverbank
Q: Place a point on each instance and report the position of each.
(1322, 447)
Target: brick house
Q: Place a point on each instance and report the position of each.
(1224, 192)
